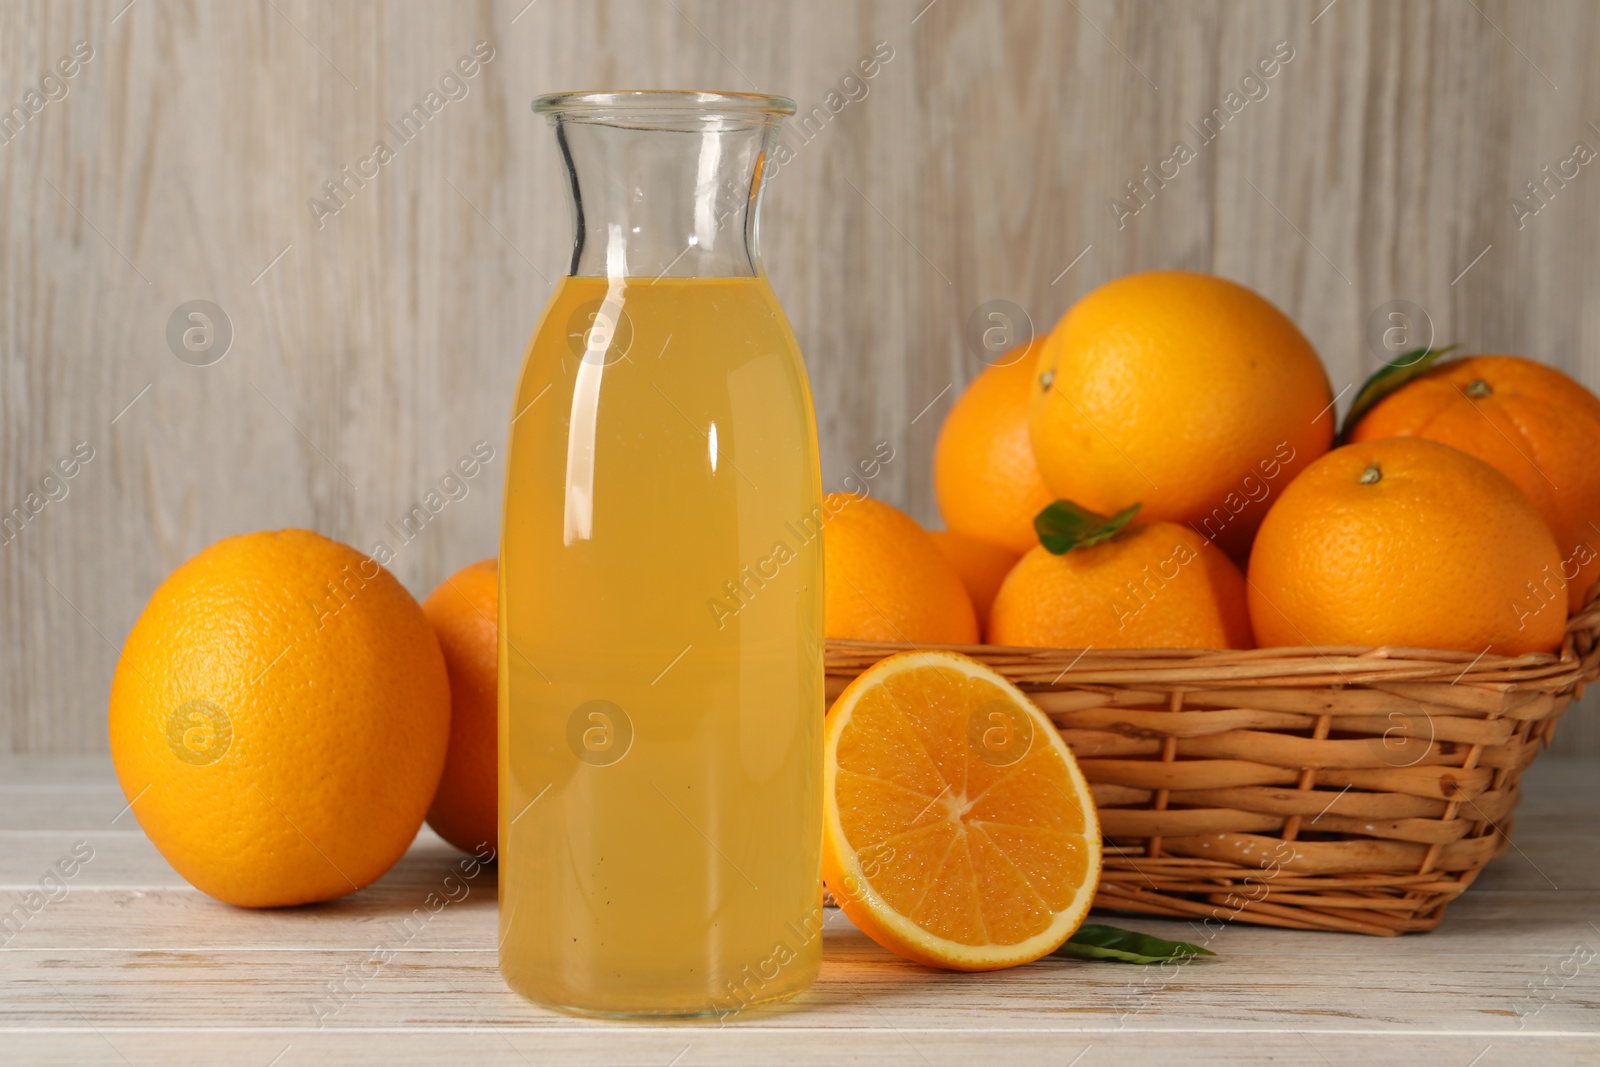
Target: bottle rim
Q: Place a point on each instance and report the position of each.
(593, 103)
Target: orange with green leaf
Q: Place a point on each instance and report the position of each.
(1098, 581)
(1185, 391)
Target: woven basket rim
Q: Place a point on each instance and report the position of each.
(1306, 666)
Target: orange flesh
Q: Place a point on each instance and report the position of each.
(972, 852)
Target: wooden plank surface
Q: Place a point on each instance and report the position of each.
(131, 965)
(372, 348)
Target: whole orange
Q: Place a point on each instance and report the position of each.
(1406, 542)
(463, 611)
(885, 580)
(1531, 423)
(981, 565)
(1152, 585)
(1184, 391)
(984, 475)
(278, 719)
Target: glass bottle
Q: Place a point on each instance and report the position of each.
(661, 687)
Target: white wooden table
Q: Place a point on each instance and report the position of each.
(128, 964)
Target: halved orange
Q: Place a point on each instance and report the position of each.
(957, 830)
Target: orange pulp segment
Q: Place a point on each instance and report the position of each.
(958, 831)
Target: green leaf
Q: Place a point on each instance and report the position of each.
(1064, 526)
(1387, 379)
(1093, 941)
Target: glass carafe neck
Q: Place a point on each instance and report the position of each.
(665, 184)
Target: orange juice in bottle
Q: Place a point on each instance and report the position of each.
(661, 692)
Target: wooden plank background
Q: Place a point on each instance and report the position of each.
(372, 351)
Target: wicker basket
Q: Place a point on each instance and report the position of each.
(1355, 789)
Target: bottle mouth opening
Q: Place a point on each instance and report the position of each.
(671, 109)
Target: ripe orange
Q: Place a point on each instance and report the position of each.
(1184, 391)
(1152, 585)
(885, 579)
(1406, 542)
(957, 828)
(279, 718)
(984, 475)
(981, 565)
(462, 611)
(1531, 423)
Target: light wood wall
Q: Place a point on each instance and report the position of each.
(374, 347)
